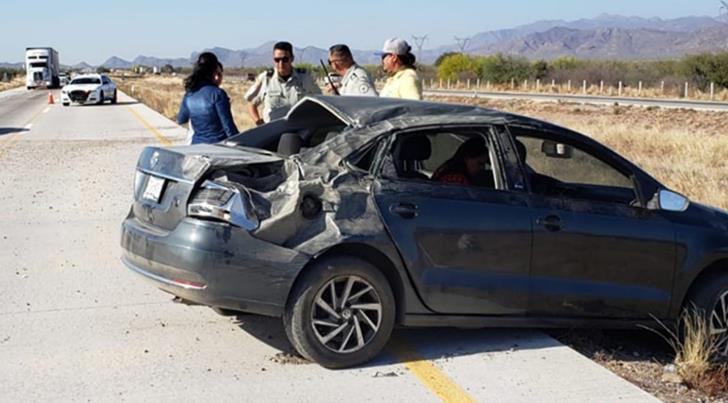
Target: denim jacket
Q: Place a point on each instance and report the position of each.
(208, 108)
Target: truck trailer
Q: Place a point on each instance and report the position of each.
(42, 68)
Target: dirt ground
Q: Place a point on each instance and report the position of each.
(640, 357)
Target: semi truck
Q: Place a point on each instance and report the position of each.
(42, 68)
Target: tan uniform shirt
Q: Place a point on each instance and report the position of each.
(357, 82)
(277, 96)
(403, 84)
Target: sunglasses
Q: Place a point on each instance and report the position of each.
(285, 59)
(332, 61)
(384, 56)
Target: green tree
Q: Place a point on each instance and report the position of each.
(102, 70)
(707, 68)
(502, 68)
(457, 66)
(443, 57)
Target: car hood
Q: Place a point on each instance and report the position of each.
(81, 87)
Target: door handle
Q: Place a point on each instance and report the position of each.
(405, 210)
(550, 222)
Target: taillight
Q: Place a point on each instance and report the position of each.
(225, 203)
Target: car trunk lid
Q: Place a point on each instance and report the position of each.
(166, 178)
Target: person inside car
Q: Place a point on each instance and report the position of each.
(468, 166)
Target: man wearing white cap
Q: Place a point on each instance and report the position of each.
(399, 62)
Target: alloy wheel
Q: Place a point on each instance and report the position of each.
(719, 324)
(346, 314)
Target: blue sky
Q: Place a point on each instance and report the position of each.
(92, 31)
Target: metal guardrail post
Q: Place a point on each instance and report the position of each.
(712, 91)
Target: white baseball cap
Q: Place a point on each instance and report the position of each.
(396, 46)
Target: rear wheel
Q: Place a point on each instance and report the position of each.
(711, 298)
(341, 312)
(66, 104)
(113, 99)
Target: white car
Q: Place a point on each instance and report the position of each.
(89, 89)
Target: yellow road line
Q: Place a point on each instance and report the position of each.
(430, 375)
(165, 141)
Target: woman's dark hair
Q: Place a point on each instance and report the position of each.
(473, 147)
(408, 60)
(203, 71)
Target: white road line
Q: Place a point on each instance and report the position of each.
(46, 109)
(28, 126)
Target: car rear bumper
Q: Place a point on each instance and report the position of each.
(213, 264)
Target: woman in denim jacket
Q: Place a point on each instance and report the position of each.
(205, 105)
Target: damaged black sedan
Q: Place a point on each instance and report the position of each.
(353, 215)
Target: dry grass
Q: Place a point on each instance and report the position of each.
(164, 94)
(16, 82)
(686, 150)
(695, 354)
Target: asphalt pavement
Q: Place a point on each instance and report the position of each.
(76, 325)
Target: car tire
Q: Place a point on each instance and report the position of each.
(332, 330)
(101, 98)
(711, 299)
(66, 104)
(114, 99)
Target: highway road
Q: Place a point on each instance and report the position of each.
(584, 99)
(75, 325)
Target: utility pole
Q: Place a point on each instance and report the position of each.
(724, 8)
(462, 43)
(419, 42)
(243, 56)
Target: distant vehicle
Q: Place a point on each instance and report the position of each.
(42, 68)
(64, 79)
(89, 89)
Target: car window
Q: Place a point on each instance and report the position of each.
(86, 80)
(450, 157)
(556, 168)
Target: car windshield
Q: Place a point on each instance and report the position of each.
(86, 80)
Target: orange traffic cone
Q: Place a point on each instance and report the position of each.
(50, 98)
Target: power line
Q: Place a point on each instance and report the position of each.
(462, 43)
(419, 42)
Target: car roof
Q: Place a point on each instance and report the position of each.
(365, 111)
(87, 76)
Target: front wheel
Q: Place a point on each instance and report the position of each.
(712, 299)
(340, 313)
(101, 98)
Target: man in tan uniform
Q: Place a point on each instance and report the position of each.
(278, 89)
(355, 80)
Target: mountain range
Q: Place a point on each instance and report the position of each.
(603, 37)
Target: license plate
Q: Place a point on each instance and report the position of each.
(154, 188)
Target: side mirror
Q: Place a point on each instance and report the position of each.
(668, 200)
(553, 149)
